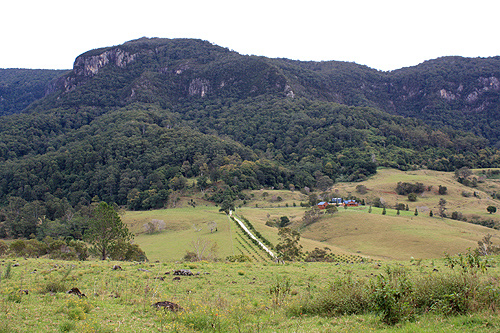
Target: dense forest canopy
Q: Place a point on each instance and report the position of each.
(131, 123)
(21, 87)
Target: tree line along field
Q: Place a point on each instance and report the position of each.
(246, 297)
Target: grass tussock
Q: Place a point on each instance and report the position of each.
(54, 285)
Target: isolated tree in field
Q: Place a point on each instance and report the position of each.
(203, 249)
(106, 229)
(400, 206)
(310, 216)
(154, 226)
(442, 190)
(412, 197)
(491, 209)
(331, 209)
(289, 246)
(442, 207)
(284, 221)
(361, 189)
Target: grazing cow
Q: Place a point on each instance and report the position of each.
(76, 292)
(166, 305)
(185, 272)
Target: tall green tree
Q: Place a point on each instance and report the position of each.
(106, 229)
(289, 246)
(226, 206)
(491, 209)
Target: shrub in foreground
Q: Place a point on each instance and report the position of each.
(346, 295)
(397, 296)
(54, 248)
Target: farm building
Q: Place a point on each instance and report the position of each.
(322, 205)
(337, 201)
(351, 203)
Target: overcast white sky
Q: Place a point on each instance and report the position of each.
(382, 34)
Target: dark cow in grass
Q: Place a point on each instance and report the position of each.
(166, 305)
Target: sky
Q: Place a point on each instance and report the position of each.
(381, 34)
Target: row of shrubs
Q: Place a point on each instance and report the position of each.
(68, 249)
(399, 296)
(325, 255)
(257, 234)
(474, 220)
(255, 242)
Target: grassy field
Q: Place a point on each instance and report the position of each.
(396, 237)
(354, 231)
(220, 297)
(383, 185)
(405, 269)
(183, 226)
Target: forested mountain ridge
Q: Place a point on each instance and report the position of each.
(463, 93)
(165, 72)
(131, 123)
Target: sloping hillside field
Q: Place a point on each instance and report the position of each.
(359, 231)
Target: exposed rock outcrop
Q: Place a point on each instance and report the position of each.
(89, 66)
(199, 87)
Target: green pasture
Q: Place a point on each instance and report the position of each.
(219, 297)
(352, 231)
(183, 227)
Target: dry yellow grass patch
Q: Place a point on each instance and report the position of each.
(396, 237)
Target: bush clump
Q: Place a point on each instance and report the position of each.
(407, 188)
(54, 248)
(398, 296)
(238, 258)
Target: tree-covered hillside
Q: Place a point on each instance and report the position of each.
(131, 124)
(83, 152)
(461, 93)
(21, 87)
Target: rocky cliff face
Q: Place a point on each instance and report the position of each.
(157, 72)
(85, 67)
(90, 66)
